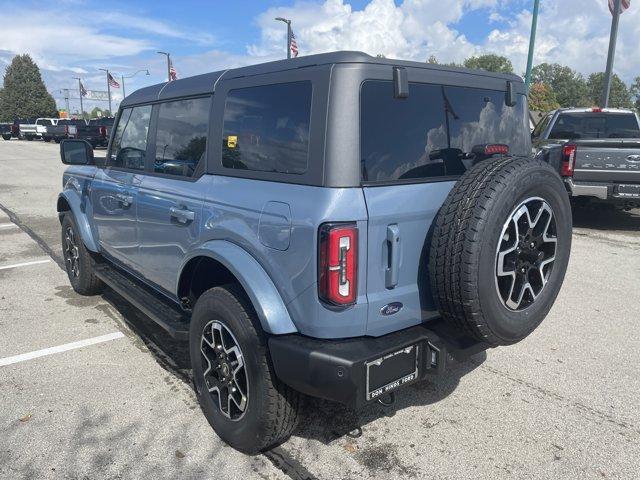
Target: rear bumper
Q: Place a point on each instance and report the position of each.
(616, 192)
(337, 369)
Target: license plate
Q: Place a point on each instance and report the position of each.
(629, 190)
(392, 371)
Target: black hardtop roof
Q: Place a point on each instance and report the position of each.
(205, 83)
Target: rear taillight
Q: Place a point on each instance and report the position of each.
(596, 110)
(496, 148)
(103, 131)
(66, 129)
(338, 263)
(568, 160)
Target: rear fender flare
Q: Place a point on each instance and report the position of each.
(271, 309)
(75, 204)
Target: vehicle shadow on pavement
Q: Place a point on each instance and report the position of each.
(327, 421)
(321, 420)
(605, 217)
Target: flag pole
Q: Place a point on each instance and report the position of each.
(532, 42)
(612, 52)
(288, 22)
(80, 92)
(108, 89)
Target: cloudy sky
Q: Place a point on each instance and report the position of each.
(70, 38)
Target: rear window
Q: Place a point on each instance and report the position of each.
(266, 128)
(432, 133)
(103, 122)
(571, 126)
(71, 122)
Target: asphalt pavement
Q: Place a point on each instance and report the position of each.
(91, 388)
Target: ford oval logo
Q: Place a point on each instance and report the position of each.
(391, 308)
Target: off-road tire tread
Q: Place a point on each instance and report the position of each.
(90, 284)
(284, 403)
(455, 248)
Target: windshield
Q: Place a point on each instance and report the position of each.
(433, 132)
(580, 125)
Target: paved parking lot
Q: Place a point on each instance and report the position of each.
(112, 398)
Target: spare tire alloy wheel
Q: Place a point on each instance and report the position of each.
(526, 253)
(225, 375)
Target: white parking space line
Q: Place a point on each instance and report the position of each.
(8, 225)
(25, 264)
(60, 348)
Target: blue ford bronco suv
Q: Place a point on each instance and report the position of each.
(335, 225)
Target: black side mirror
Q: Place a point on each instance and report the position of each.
(76, 152)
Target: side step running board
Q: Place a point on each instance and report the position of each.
(161, 311)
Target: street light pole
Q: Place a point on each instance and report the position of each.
(80, 95)
(288, 22)
(532, 43)
(612, 53)
(168, 64)
(108, 88)
(122, 77)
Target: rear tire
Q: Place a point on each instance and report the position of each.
(78, 261)
(270, 408)
(500, 249)
(6, 137)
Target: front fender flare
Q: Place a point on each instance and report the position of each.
(75, 203)
(272, 311)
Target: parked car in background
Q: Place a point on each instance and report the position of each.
(65, 128)
(8, 130)
(96, 132)
(336, 225)
(29, 131)
(596, 151)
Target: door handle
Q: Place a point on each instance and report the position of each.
(393, 256)
(124, 199)
(182, 215)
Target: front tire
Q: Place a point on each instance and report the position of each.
(78, 261)
(243, 400)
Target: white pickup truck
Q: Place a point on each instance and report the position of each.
(30, 131)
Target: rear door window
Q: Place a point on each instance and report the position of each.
(433, 132)
(129, 148)
(181, 138)
(587, 125)
(266, 128)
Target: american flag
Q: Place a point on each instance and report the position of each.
(173, 75)
(83, 91)
(293, 46)
(112, 81)
(624, 4)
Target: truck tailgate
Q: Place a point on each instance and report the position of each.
(608, 160)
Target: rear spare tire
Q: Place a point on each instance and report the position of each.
(500, 249)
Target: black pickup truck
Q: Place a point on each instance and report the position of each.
(596, 151)
(66, 128)
(8, 130)
(96, 131)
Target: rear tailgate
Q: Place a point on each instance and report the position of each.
(607, 160)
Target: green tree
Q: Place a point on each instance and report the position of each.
(619, 96)
(490, 62)
(569, 87)
(542, 98)
(24, 94)
(634, 91)
(432, 59)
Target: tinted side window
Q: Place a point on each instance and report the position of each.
(266, 128)
(181, 138)
(433, 132)
(130, 142)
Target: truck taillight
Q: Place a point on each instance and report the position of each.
(103, 131)
(66, 129)
(338, 263)
(568, 160)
